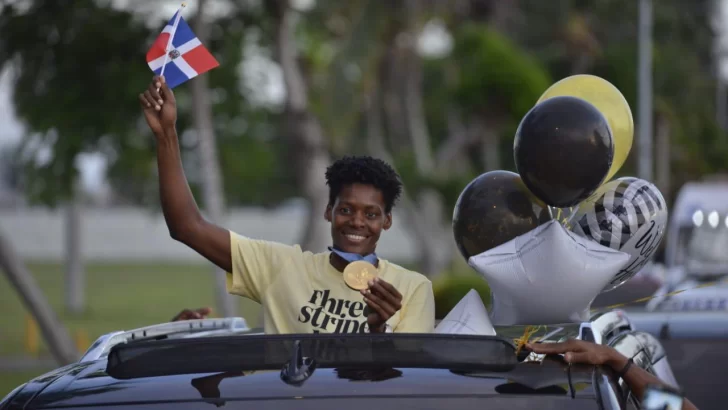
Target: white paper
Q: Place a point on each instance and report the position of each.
(468, 317)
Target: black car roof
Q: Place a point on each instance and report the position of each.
(90, 383)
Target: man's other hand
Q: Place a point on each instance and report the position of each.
(384, 301)
(581, 352)
(189, 314)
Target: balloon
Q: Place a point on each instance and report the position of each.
(563, 150)
(494, 208)
(627, 214)
(610, 102)
(547, 276)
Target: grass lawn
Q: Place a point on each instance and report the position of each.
(119, 296)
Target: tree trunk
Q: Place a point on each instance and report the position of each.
(423, 212)
(419, 135)
(55, 334)
(422, 219)
(491, 144)
(211, 176)
(307, 143)
(75, 275)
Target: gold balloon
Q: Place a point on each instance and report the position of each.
(610, 102)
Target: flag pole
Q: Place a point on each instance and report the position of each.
(171, 37)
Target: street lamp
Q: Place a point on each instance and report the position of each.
(644, 79)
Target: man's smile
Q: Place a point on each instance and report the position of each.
(357, 238)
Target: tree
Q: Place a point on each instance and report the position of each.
(307, 144)
(604, 33)
(39, 44)
(53, 42)
(44, 46)
(56, 335)
(212, 184)
(373, 92)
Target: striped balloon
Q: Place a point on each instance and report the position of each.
(627, 214)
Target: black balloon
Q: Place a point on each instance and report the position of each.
(493, 209)
(563, 150)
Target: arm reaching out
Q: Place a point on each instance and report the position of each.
(583, 352)
(183, 218)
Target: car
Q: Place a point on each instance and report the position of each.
(222, 362)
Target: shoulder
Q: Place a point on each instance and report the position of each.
(408, 279)
(247, 245)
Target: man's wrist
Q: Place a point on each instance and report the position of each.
(378, 328)
(168, 132)
(167, 138)
(616, 361)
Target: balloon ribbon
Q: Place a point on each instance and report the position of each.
(648, 298)
(528, 332)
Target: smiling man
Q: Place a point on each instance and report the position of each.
(301, 291)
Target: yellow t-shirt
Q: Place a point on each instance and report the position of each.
(301, 292)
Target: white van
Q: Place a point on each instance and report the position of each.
(697, 236)
(696, 252)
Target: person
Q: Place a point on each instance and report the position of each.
(585, 352)
(192, 314)
(300, 291)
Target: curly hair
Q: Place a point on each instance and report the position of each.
(364, 170)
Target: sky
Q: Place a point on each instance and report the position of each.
(433, 40)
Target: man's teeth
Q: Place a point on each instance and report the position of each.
(355, 237)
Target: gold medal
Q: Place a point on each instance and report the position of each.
(358, 274)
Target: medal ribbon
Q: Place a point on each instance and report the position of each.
(351, 257)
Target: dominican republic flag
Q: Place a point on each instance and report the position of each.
(187, 57)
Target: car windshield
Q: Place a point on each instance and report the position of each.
(268, 352)
(702, 246)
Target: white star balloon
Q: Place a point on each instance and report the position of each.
(546, 276)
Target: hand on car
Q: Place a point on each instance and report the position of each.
(384, 301)
(581, 352)
(189, 314)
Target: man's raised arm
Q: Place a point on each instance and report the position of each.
(184, 220)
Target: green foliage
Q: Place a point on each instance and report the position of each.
(76, 91)
(450, 289)
(249, 147)
(78, 79)
(496, 74)
(487, 75)
(251, 169)
(68, 92)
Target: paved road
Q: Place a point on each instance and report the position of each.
(700, 368)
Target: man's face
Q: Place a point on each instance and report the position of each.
(357, 218)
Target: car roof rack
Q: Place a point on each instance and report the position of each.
(179, 329)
